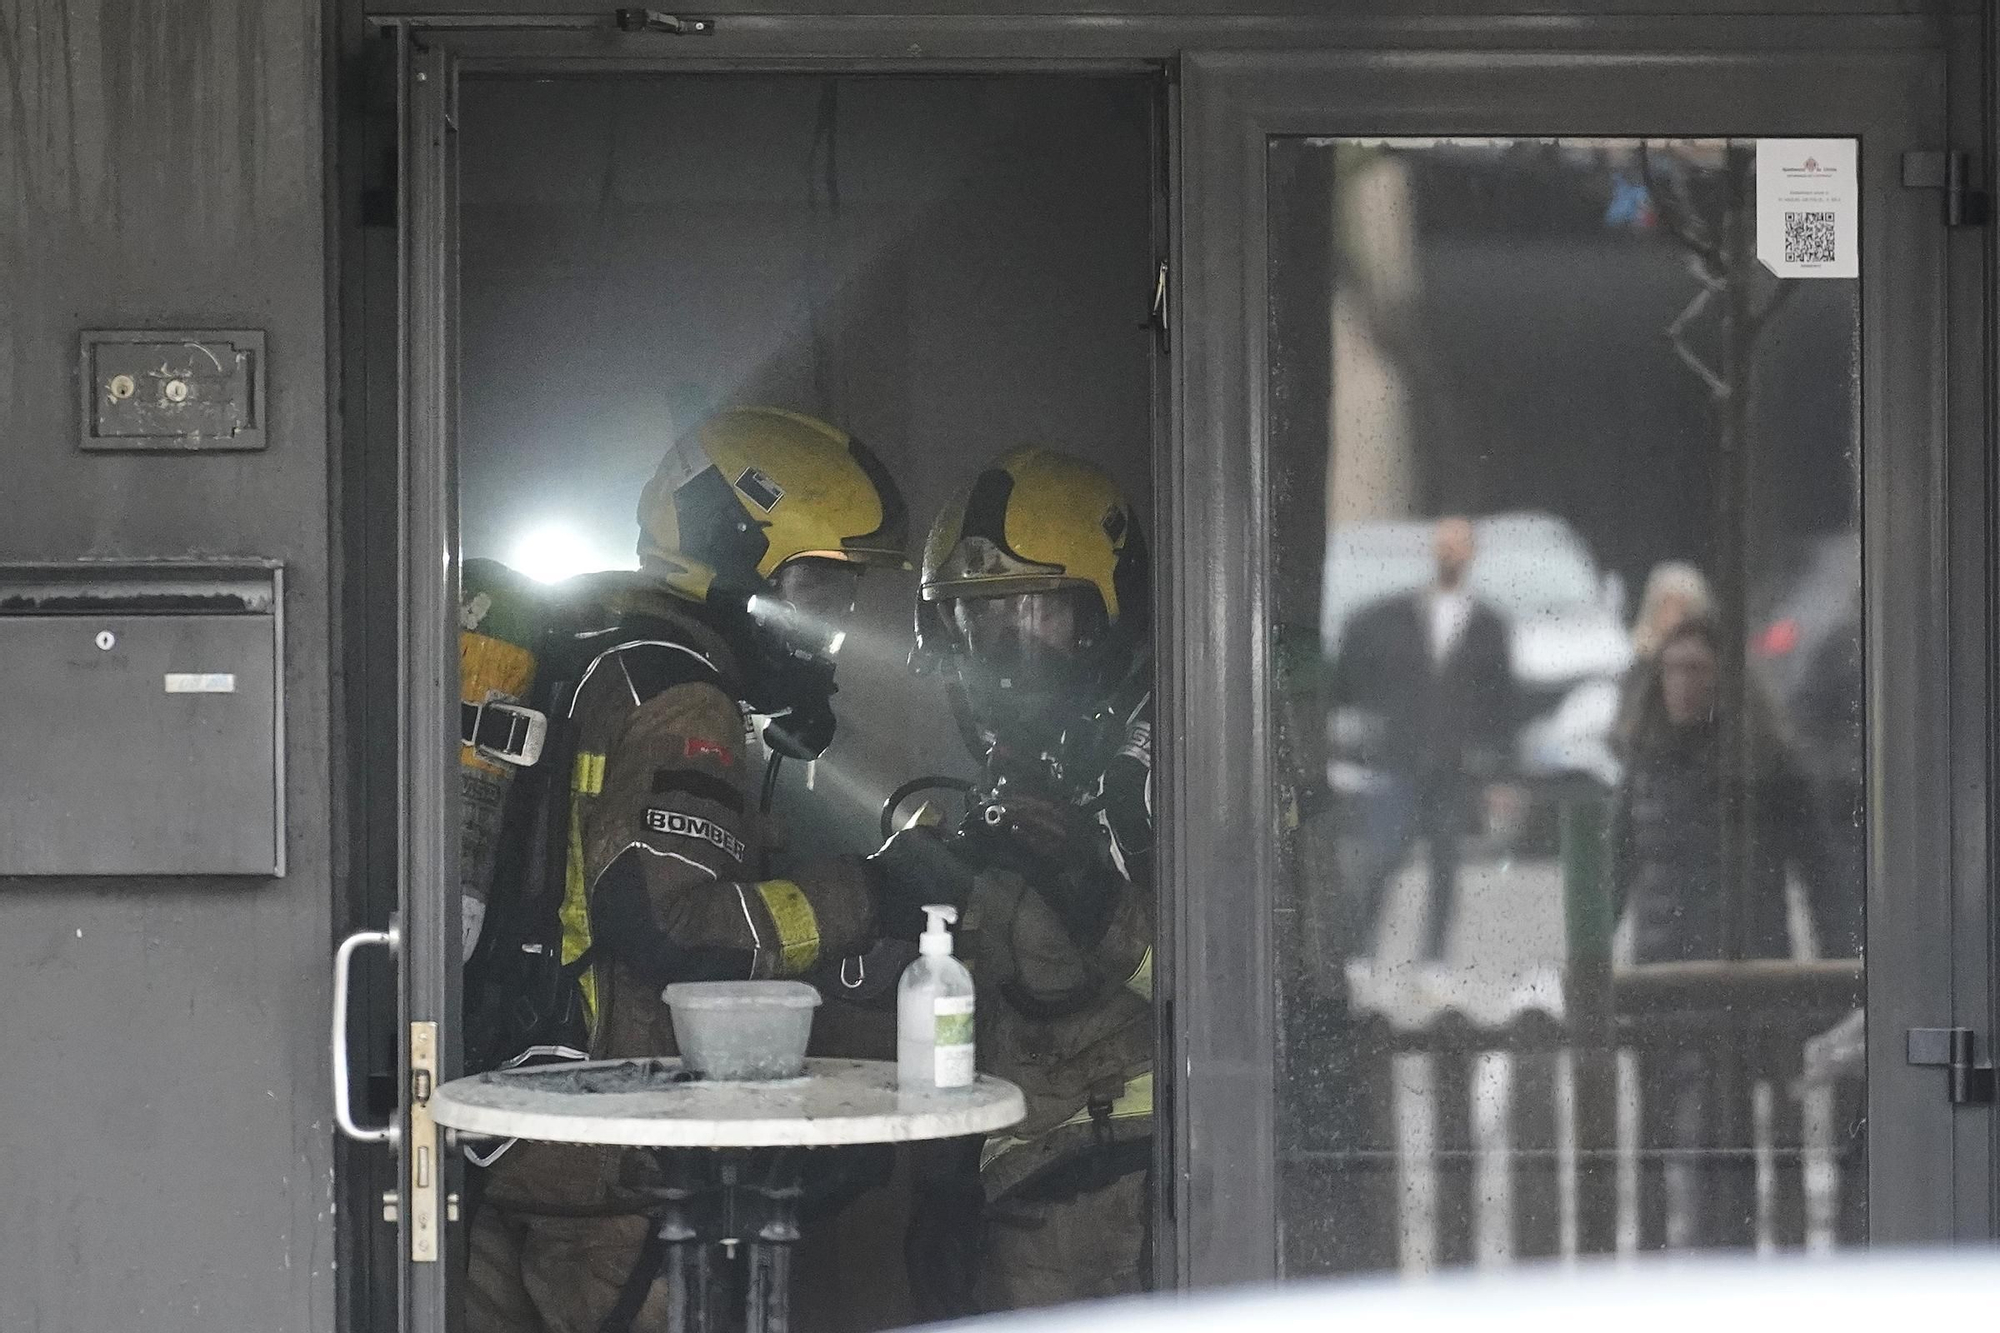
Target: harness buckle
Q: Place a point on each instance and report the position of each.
(510, 733)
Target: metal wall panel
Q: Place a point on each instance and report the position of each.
(1098, 10)
(995, 43)
(167, 1159)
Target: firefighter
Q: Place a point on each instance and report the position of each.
(643, 866)
(1034, 610)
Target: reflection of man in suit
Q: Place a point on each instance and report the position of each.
(1429, 670)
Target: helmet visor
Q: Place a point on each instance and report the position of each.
(1033, 648)
(810, 603)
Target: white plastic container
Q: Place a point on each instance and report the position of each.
(934, 1047)
(743, 1031)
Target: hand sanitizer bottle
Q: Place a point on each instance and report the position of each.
(934, 1012)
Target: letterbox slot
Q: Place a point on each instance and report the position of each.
(144, 719)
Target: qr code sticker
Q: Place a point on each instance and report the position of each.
(1809, 238)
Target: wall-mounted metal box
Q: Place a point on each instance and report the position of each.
(184, 390)
(141, 720)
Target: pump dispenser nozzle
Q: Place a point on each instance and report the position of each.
(936, 938)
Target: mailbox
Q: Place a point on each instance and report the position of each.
(141, 719)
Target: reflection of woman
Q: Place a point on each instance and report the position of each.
(1666, 827)
(1676, 592)
(1667, 869)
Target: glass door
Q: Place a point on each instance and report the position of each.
(1561, 799)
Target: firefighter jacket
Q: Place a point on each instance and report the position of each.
(659, 851)
(1060, 942)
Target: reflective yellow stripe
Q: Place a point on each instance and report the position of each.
(1140, 983)
(1136, 1102)
(798, 928)
(586, 781)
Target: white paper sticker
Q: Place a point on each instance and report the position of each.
(1808, 208)
(214, 682)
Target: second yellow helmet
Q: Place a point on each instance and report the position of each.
(1036, 520)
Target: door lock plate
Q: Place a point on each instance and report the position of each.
(425, 1192)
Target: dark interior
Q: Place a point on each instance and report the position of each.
(944, 267)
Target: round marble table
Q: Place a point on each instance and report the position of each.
(656, 1104)
(732, 1157)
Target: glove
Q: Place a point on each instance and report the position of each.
(804, 733)
(1059, 850)
(911, 871)
(1040, 831)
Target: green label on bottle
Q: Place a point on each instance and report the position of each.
(951, 1019)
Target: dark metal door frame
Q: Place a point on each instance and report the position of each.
(1224, 806)
(427, 691)
(1215, 770)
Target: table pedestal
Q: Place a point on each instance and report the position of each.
(732, 1160)
(709, 1205)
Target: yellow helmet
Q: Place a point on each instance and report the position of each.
(753, 488)
(1034, 521)
(1034, 594)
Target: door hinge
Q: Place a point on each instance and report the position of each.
(1967, 1081)
(1947, 170)
(426, 1188)
(653, 20)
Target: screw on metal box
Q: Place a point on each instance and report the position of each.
(106, 640)
(122, 387)
(177, 391)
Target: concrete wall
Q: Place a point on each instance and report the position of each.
(165, 1149)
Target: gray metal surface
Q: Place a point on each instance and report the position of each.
(997, 43)
(167, 1155)
(1222, 803)
(427, 692)
(172, 389)
(1219, 825)
(142, 745)
(1969, 378)
(1108, 11)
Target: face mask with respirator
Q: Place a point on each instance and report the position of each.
(794, 635)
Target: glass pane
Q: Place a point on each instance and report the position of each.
(1568, 587)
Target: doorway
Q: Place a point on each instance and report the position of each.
(946, 268)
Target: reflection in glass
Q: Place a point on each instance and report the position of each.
(1569, 944)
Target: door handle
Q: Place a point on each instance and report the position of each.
(343, 969)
